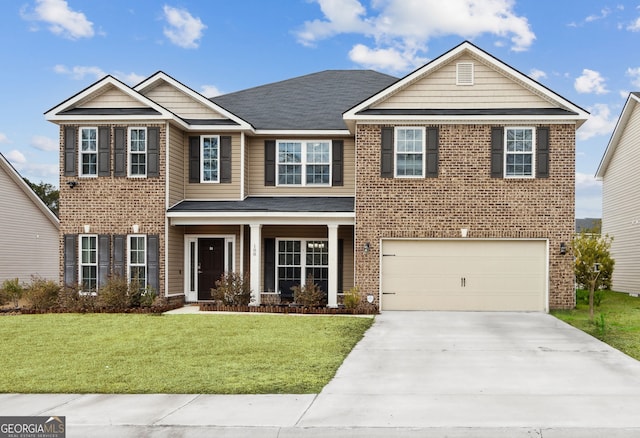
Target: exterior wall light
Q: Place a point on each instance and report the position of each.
(135, 228)
(563, 248)
(367, 247)
(87, 228)
(72, 184)
(464, 232)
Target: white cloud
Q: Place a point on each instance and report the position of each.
(210, 91)
(402, 29)
(588, 196)
(603, 14)
(130, 78)
(635, 26)
(4, 138)
(16, 157)
(61, 19)
(43, 143)
(536, 74)
(184, 29)
(634, 73)
(586, 180)
(79, 72)
(590, 82)
(600, 122)
(384, 59)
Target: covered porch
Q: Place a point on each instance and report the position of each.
(277, 241)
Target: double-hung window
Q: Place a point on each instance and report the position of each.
(137, 260)
(303, 162)
(210, 162)
(89, 263)
(519, 161)
(137, 152)
(299, 259)
(410, 152)
(88, 152)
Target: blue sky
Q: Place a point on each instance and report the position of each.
(585, 50)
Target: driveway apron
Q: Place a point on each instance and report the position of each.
(479, 370)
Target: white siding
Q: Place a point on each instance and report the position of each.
(29, 242)
(621, 207)
(491, 89)
(111, 97)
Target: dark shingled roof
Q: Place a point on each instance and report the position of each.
(315, 101)
(273, 204)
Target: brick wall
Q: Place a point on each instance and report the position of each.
(112, 205)
(465, 196)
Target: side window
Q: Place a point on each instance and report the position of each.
(88, 263)
(409, 152)
(137, 271)
(210, 159)
(137, 152)
(519, 153)
(88, 156)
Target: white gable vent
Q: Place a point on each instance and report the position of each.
(464, 73)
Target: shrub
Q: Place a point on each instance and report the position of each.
(582, 295)
(42, 294)
(352, 298)
(12, 290)
(141, 297)
(309, 294)
(232, 289)
(114, 294)
(71, 300)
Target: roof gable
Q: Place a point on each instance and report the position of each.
(493, 90)
(630, 113)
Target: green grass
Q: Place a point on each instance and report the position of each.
(616, 321)
(208, 354)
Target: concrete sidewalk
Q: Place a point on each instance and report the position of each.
(414, 374)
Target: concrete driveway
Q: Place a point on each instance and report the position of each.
(415, 374)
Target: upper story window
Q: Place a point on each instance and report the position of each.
(303, 162)
(138, 152)
(519, 153)
(409, 152)
(210, 162)
(88, 152)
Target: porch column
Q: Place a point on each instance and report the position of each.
(333, 265)
(255, 262)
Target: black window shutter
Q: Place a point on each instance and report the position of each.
(153, 262)
(386, 155)
(104, 258)
(269, 162)
(70, 259)
(269, 265)
(497, 151)
(337, 166)
(118, 255)
(194, 159)
(120, 152)
(104, 151)
(542, 152)
(70, 160)
(153, 147)
(432, 152)
(225, 159)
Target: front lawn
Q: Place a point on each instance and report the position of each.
(208, 354)
(616, 321)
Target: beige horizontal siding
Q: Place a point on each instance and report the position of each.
(177, 139)
(214, 191)
(438, 89)
(621, 207)
(256, 187)
(181, 104)
(175, 261)
(112, 97)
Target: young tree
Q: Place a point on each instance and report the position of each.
(593, 263)
(48, 193)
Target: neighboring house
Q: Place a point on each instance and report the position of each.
(29, 234)
(451, 188)
(592, 225)
(618, 172)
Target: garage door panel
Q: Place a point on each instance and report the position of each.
(463, 275)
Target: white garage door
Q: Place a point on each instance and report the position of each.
(464, 275)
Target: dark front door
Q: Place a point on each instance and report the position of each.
(210, 265)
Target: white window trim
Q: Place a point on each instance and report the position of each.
(303, 257)
(81, 154)
(130, 152)
(202, 138)
(303, 163)
(395, 152)
(146, 256)
(533, 153)
(81, 265)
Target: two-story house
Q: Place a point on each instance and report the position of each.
(450, 188)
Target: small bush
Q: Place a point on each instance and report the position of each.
(114, 295)
(42, 294)
(232, 289)
(141, 297)
(309, 294)
(582, 296)
(12, 290)
(71, 300)
(352, 298)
